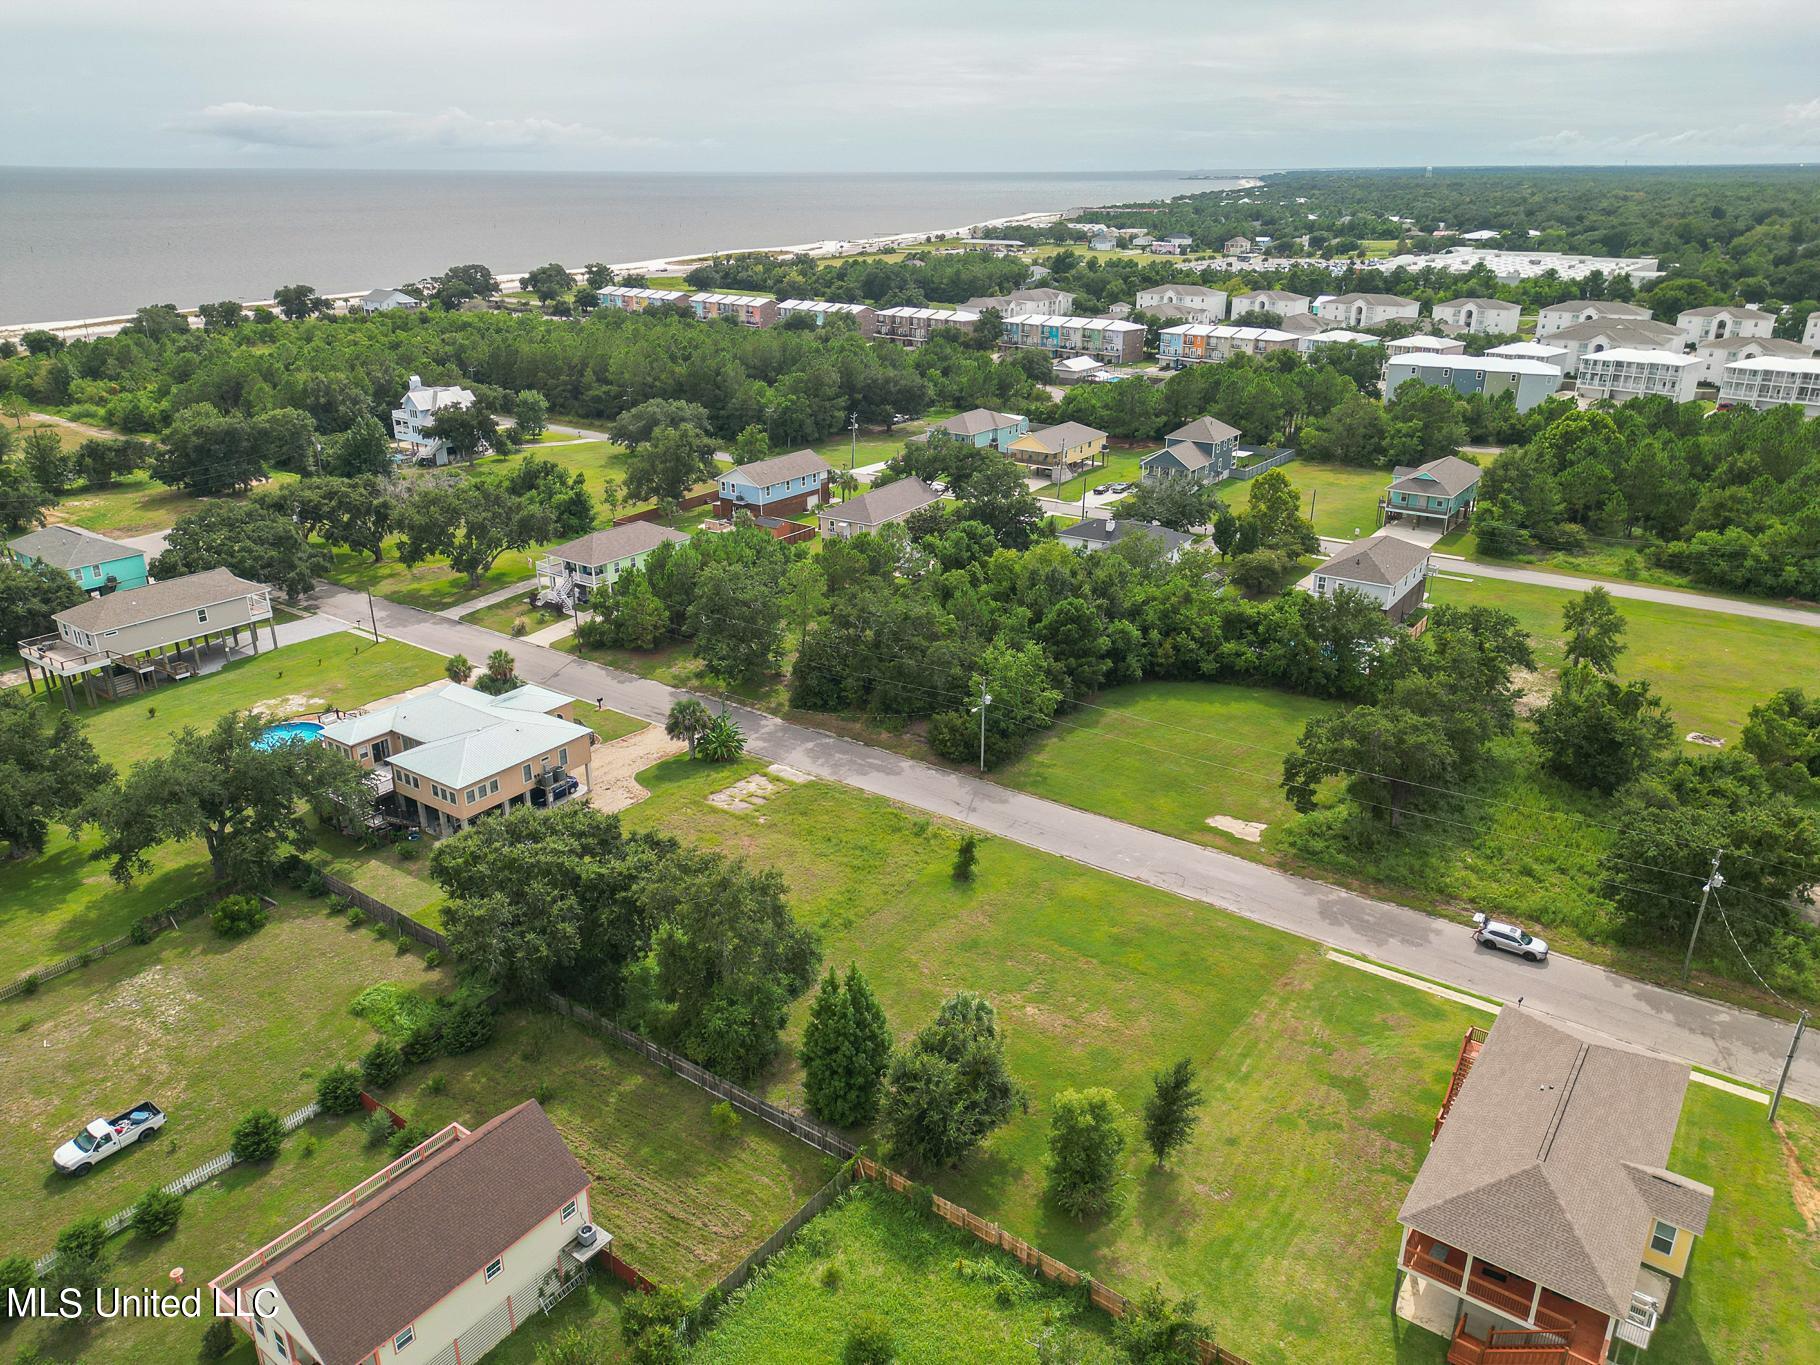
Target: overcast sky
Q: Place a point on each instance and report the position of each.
(701, 85)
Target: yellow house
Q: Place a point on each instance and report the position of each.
(1059, 452)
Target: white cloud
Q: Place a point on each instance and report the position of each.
(262, 125)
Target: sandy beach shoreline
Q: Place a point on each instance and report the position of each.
(78, 328)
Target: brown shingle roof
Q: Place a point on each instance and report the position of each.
(1061, 437)
(157, 599)
(69, 547)
(887, 502)
(1450, 474)
(780, 468)
(974, 421)
(617, 542)
(1208, 429)
(1383, 558)
(359, 1281)
(1537, 1167)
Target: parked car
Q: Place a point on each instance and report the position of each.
(103, 1137)
(1103, 488)
(1494, 933)
(1120, 487)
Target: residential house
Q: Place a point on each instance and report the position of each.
(1559, 316)
(1368, 310)
(1716, 355)
(412, 418)
(870, 510)
(1771, 381)
(1627, 372)
(911, 327)
(1237, 246)
(1339, 336)
(1079, 367)
(385, 300)
(1438, 494)
(1198, 343)
(95, 562)
(122, 642)
(1725, 321)
(1059, 452)
(452, 755)
(1109, 339)
(1391, 571)
(438, 1257)
(1095, 534)
(630, 300)
(1545, 1226)
(1043, 300)
(1175, 244)
(782, 486)
(1425, 345)
(1204, 450)
(1203, 304)
(1528, 382)
(1602, 334)
(865, 317)
(1279, 301)
(984, 427)
(748, 310)
(1554, 356)
(1103, 242)
(572, 572)
(1495, 316)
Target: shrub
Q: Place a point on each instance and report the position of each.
(433, 958)
(965, 856)
(831, 1275)
(15, 1275)
(403, 946)
(648, 1322)
(405, 1138)
(378, 1127)
(237, 916)
(519, 627)
(354, 916)
(573, 1346)
(424, 1041)
(408, 851)
(544, 1093)
(217, 1339)
(436, 1085)
(144, 930)
(469, 1027)
(868, 1342)
(156, 1212)
(257, 1137)
(314, 884)
(725, 1119)
(29, 984)
(382, 1065)
(307, 1145)
(338, 1092)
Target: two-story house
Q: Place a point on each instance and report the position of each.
(1204, 450)
(984, 427)
(1493, 316)
(1391, 571)
(1440, 493)
(1059, 452)
(412, 418)
(121, 642)
(1544, 1226)
(1726, 320)
(446, 757)
(439, 1257)
(575, 570)
(386, 300)
(96, 563)
(781, 486)
(748, 310)
(1101, 533)
(1200, 304)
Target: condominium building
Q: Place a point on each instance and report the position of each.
(1278, 301)
(1201, 303)
(1197, 343)
(1425, 345)
(630, 300)
(912, 327)
(1367, 310)
(1728, 320)
(1634, 372)
(1108, 339)
(1715, 355)
(1771, 381)
(1555, 356)
(1607, 334)
(1557, 316)
(1494, 316)
(749, 310)
(1810, 335)
(1528, 382)
(865, 317)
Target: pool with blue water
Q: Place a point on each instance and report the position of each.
(287, 732)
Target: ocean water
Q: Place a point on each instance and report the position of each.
(91, 243)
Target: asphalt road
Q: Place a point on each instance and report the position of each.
(1738, 1042)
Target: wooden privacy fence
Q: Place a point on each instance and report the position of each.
(792, 1225)
(654, 514)
(384, 913)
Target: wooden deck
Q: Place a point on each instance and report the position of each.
(1470, 1045)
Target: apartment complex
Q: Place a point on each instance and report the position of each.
(1727, 320)
(1425, 345)
(637, 300)
(1557, 316)
(1771, 381)
(1111, 340)
(1628, 372)
(1367, 310)
(1494, 316)
(865, 317)
(912, 327)
(1200, 303)
(1528, 382)
(1199, 343)
(1279, 301)
(748, 310)
(1610, 334)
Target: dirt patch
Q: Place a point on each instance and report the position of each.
(1252, 831)
(296, 704)
(1534, 688)
(613, 768)
(1807, 1193)
(1710, 741)
(745, 794)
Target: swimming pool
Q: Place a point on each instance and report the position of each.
(287, 732)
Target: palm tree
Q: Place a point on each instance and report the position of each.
(688, 718)
(458, 668)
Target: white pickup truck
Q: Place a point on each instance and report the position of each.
(103, 1137)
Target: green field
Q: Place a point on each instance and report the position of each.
(609, 725)
(135, 505)
(500, 616)
(872, 1253)
(1122, 466)
(1344, 498)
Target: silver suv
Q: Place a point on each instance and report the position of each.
(1495, 933)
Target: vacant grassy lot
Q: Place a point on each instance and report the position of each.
(1321, 1082)
(431, 585)
(609, 725)
(1709, 667)
(205, 1027)
(1344, 499)
(873, 1253)
(135, 505)
(501, 615)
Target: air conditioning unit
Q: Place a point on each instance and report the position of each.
(586, 1235)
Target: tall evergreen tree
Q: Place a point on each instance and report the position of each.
(846, 1047)
(1172, 1110)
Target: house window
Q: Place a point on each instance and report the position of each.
(258, 1325)
(493, 785)
(470, 796)
(562, 757)
(1662, 1240)
(568, 1211)
(493, 1270)
(278, 1345)
(527, 772)
(404, 1338)
(202, 615)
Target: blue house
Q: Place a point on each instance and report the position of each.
(95, 562)
(1204, 451)
(1439, 493)
(984, 427)
(781, 486)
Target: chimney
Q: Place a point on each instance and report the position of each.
(416, 381)
(1111, 526)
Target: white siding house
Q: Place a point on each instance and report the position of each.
(412, 417)
(1717, 324)
(1626, 372)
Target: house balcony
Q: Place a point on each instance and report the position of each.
(57, 655)
(1469, 1053)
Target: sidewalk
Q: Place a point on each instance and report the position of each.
(461, 609)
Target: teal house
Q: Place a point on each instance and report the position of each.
(1440, 493)
(97, 563)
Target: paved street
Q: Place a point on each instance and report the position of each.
(1710, 1034)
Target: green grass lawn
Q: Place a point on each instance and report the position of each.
(1122, 466)
(874, 445)
(135, 505)
(873, 1253)
(1322, 1083)
(1344, 499)
(501, 615)
(609, 725)
(1709, 667)
(431, 585)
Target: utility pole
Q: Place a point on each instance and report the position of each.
(985, 701)
(373, 616)
(1713, 883)
(853, 426)
(1787, 1062)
